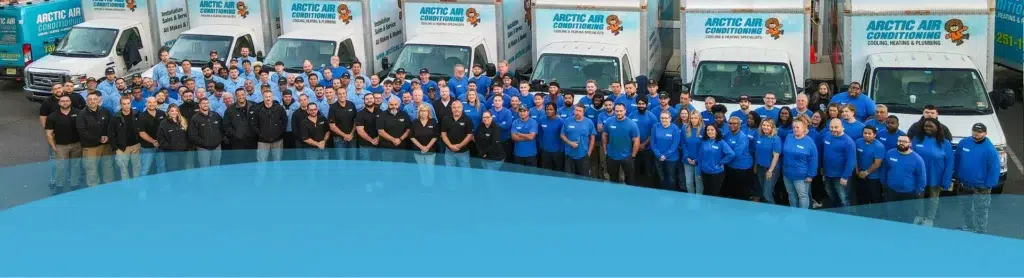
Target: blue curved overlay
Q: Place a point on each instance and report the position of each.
(361, 218)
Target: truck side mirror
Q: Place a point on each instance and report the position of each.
(538, 85)
(385, 64)
(259, 56)
(1003, 99)
(684, 87)
(490, 69)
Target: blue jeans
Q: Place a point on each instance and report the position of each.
(767, 185)
(53, 167)
(345, 150)
(691, 177)
(367, 153)
(799, 192)
(975, 206)
(667, 173)
(150, 156)
(838, 194)
(493, 164)
(208, 158)
(453, 159)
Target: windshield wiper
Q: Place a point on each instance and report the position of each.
(960, 109)
(901, 106)
(724, 99)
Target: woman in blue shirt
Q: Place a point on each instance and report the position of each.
(715, 153)
(937, 152)
(785, 125)
(692, 135)
(799, 165)
(665, 146)
(751, 127)
(473, 109)
(767, 148)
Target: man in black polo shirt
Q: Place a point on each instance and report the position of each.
(393, 128)
(51, 105)
(189, 106)
(296, 123)
(205, 131)
(366, 128)
(124, 136)
(148, 125)
(456, 133)
(314, 133)
(269, 122)
(62, 136)
(342, 119)
(92, 130)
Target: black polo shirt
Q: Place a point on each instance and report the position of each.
(425, 132)
(343, 117)
(63, 127)
(367, 120)
(313, 130)
(457, 130)
(52, 104)
(150, 124)
(394, 124)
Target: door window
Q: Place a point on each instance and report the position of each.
(243, 41)
(479, 56)
(347, 53)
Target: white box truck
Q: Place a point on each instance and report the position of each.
(367, 31)
(226, 26)
(603, 40)
(752, 47)
(443, 33)
(912, 53)
(121, 34)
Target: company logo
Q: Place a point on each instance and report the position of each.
(130, 4)
(526, 7)
(614, 24)
(344, 14)
(115, 5)
(243, 11)
(449, 16)
(926, 32)
(228, 9)
(472, 16)
(755, 28)
(773, 28)
(594, 24)
(956, 29)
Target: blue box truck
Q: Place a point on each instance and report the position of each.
(30, 30)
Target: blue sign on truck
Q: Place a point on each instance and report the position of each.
(30, 30)
(1009, 46)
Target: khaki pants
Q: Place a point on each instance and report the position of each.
(130, 155)
(68, 160)
(98, 159)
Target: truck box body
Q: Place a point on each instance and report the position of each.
(255, 16)
(366, 31)
(733, 47)
(121, 34)
(31, 30)
(607, 40)
(441, 34)
(1009, 46)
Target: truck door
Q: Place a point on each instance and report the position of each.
(627, 70)
(347, 54)
(243, 41)
(479, 57)
(130, 53)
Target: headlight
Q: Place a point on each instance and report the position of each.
(79, 81)
(1002, 158)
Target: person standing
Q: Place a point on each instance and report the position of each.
(665, 146)
(424, 133)
(881, 113)
(904, 175)
(290, 106)
(977, 170)
(739, 172)
(314, 134)
(457, 132)
(799, 165)
(891, 132)
(714, 154)
(768, 110)
(92, 124)
(366, 128)
(149, 125)
(850, 122)
(173, 138)
(622, 143)
(599, 162)
(767, 149)
(864, 106)
(869, 158)
(819, 100)
(488, 142)
(524, 133)
(552, 149)
(51, 105)
(937, 152)
(839, 166)
(62, 136)
(206, 134)
(503, 118)
(929, 112)
(123, 132)
(237, 127)
(341, 118)
(578, 135)
(692, 136)
(393, 128)
(269, 122)
(645, 121)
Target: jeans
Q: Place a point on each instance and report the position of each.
(189, 158)
(425, 164)
(691, 177)
(579, 167)
(493, 164)
(98, 159)
(208, 158)
(367, 152)
(315, 154)
(393, 155)
(767, 184)
(799, 192)
(931, 204)
(625, 165)
(272, 150)
(554, 161)
(838, 194)
(53, 167)
(150, 156)
(902, 207)
(175, 160)
(666, 174)
(345, 150)
(67, 162)
(975, 207)
(713, 183)
(129, 161)
(454, 159)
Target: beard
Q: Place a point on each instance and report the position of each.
(902, 148)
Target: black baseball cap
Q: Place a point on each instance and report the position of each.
(109, 71)
(400, 70)
(553, 83)
(979, 127)
(136, 75)
(213, 51)
(346, 75)
(174, 80)
(744, 98)
(424, 70)
(477, 66)
(90, 79)
(282, 80)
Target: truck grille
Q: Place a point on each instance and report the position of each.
(44, 81)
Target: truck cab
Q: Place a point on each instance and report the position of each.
(31, 30)
(87, 51)
(441, 55)
(573, 63)
(195, 44)
(725, 73)
(295, 47)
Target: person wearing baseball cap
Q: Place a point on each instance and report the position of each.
(977, 170)
(108, 84)
(214, 59)
(426, 82)
(479, 76)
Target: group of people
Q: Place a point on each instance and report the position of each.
(184, 116)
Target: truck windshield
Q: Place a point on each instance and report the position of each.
(439, 59)
(726, 81)
(196, 48)
(292, 52)
(952, 91)
(86, 42)
(573, 71)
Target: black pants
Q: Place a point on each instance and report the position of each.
(579, 167)
(738, 183)
(646, 174)
(509, 147)
(625, 165)
(289, 140)
(241, 151)
(554, 161)
(530, 161)
(902, 207)
(869, 191)
(713, 183)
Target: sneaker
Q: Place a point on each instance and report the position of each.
(918, 220)
(927, 223)
(966, 229)
(816, 204)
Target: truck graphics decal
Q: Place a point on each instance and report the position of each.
(173, 20)
(1009, 36)
(916, 32)
(229, 9)
(319, 12)
(778, 31)
(517, 19)
(582, 23)
(388, 32)
(450, 16)
(113, 5)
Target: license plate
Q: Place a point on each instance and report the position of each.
(12, 71)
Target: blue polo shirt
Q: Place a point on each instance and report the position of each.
(740, 145)
(550, 134)
(765, 113)
(629, 102)
(864, 105)
(644, 121)
(620, 137)
(525, 148)
(580, 132)
(867, 153)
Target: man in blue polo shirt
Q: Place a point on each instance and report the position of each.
(864, 106)
(578, 135)
(621, 139)
(524, 133)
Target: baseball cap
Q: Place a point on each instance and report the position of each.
(400, 70)
(109, 71)
(553, 83)
(346, 75)
(282, 81)
(477, 66)
(136, 75)
(415, 81)
(279, 63)
(424, 70)
(213, 51)
(90, 79)
(979, 127)
(744, 98)
(174, 80)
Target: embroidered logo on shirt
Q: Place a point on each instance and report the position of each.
(894, 159)
(544, 126)
(800, 147)
(965, 149)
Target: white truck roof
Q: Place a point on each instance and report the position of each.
(604, 4)
(737, 54)
(733, 6)
(108, 23)
(218, 30)
(318, 35)
(585, 49)
(900, 6)
(448, 39)
(922, 60)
